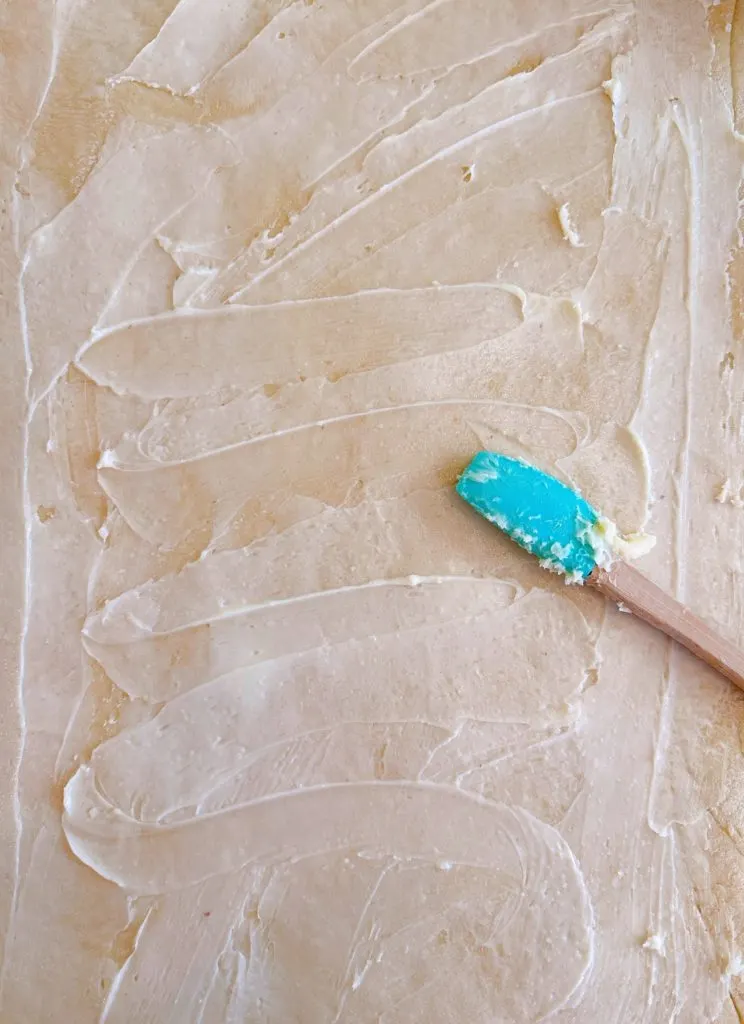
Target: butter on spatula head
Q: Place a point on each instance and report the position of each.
(545, 517)
(554, 522)
(540, 513)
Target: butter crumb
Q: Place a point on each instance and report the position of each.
(570, 232)
(723, 494)
(45, 512)
(655, 943)
(561, 551)
(608, 543)
(734, 966)
(525, 538)
(727, 494)
(481, 476)
(499, 520)
(614, 89)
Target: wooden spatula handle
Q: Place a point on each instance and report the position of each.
(639, 595)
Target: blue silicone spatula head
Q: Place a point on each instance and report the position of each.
(543, 515)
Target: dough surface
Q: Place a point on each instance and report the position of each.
(291, 736)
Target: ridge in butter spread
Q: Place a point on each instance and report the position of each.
(290, 736)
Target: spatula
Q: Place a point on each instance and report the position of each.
(553, 522)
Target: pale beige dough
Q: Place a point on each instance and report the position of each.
(290, 734)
